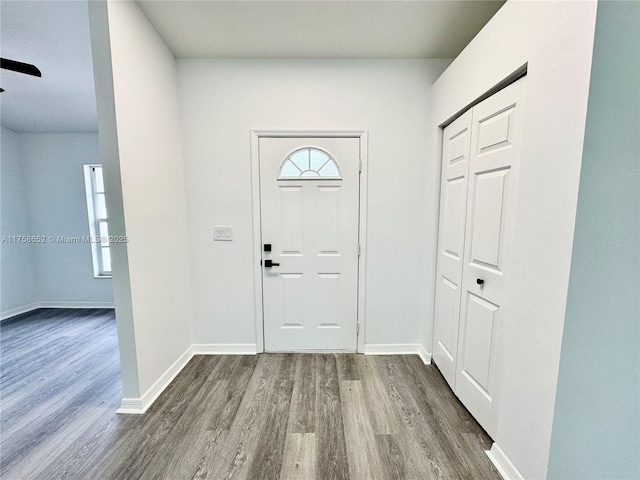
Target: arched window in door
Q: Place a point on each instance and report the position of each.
(309, 163)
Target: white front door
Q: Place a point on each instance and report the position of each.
(480, 159)
(309, 194)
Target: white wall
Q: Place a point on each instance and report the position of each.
(140, 141)
(556, 39)
(55, 191)
(105, 103)
(596, 424)
(17, 277)
(222, 100)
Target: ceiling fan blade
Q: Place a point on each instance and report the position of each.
(20, 67)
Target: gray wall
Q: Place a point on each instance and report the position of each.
(17, 285)
(596, 427)
(56, 197)
(43, 194)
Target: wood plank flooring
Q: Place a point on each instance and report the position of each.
(270, 416)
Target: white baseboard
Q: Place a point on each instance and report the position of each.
(503, 464)
(75, 305)
(140, 405)
(424, 355)
(18, 311)
(35, 305)
(398, 349)
(132, 406)
(225, 349)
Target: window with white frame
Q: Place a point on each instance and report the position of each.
(98, 226)
(309, 163)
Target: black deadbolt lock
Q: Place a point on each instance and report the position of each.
(267, 247)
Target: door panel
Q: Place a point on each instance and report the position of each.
(455, 201)
(292, 215)
(455, 165)
(448, 309)
(487, 218)
(328, 300)
(495, 130)
(310, 298)
(328, 205)
(493, 168)
(480, 321)
(291, 289)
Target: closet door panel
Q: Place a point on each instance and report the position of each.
(493, 167)
(453, 202)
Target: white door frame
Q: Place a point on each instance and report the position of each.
(256, 135)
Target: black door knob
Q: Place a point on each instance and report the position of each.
(479, 281)
(269, 264)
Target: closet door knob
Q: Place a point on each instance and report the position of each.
(479, 281)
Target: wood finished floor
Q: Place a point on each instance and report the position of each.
(271, 416)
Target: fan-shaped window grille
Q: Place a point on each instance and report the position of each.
(309, 164)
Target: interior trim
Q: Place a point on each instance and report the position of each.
(503, 464)
(255, 136)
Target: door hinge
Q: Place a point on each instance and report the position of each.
(359, 250)
(357, 328)
(360, 166)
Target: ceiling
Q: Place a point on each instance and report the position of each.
(318, 29)
(54, 35)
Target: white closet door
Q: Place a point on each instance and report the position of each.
(493, 168)
(453, 205)
(480, 158)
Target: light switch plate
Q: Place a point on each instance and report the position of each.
(222, 234)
